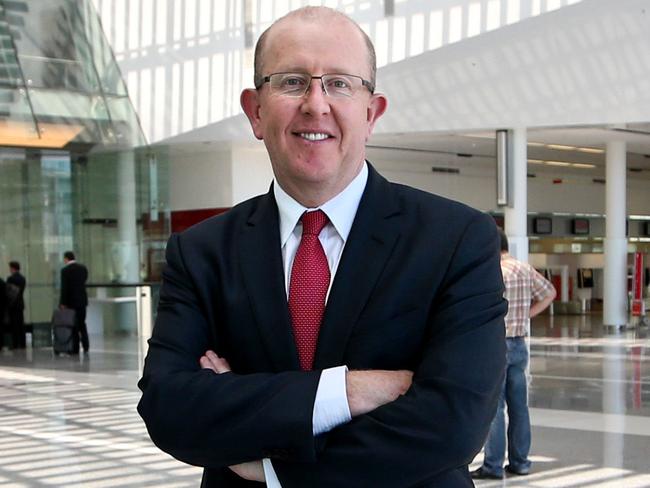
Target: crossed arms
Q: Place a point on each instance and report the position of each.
(366, 391)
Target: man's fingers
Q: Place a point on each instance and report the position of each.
(214, 362)
(207, 364)
(220, 363)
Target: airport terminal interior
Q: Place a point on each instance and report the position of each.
(120, 124)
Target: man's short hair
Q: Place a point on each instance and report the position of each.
(504, 240)
(14, 265)
(312, 14)
(69, 255)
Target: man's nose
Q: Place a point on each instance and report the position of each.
(316, 101)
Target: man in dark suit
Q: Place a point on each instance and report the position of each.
(16, 284)
(73, 295)
(4, 312)
(340, 330)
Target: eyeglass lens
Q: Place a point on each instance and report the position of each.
(297, 84)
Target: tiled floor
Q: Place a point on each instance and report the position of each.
(71, 421)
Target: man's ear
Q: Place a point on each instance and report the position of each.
(250, 103)
(376, 108)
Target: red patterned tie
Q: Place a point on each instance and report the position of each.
(310, 279)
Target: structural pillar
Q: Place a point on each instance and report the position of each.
(125, 253)
(516, 212)
(615, 287)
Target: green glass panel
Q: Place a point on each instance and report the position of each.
(65, 74)
(61, 103)
(14, 104)
(125, 122)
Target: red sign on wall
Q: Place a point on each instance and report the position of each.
(182, 219)
(637, 286)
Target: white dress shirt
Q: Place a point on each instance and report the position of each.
(331, 405)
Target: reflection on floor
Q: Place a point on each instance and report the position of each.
(71, 421)
(590, 405)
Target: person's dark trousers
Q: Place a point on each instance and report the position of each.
(3, 327)
(17, 327)
(80, 330)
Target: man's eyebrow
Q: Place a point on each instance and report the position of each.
(295, 69)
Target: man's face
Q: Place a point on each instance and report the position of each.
(308, 167)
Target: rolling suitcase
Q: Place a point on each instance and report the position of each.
(63, 331)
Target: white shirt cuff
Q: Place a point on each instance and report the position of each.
(331, 407)
(272, 480)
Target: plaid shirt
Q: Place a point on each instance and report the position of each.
(523, 285)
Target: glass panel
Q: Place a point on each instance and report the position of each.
(59, 103)
(9, 69)
(14, 104)
(101, 192)
(17, 126)
(125, 122)
(101, 53)
(53, 51)
(35, 222)
(40, 72)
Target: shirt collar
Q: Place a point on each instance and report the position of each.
(340, 210)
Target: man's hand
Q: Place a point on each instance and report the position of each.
(211, 361)
(368, 390)
(253, 470)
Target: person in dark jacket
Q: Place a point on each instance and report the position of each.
(16, 284)
(4, 313)
(73, 295)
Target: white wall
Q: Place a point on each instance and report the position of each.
(251, 172)
(220, 175)
(476, 186)
(200, 177)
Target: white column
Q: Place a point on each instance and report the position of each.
(516, 213)
(125, 250)
(615, 287)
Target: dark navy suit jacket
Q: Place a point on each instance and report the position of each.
(73, 286)
(418, 287)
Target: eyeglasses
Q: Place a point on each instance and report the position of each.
(334, 84)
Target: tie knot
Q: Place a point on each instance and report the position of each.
(313, 222)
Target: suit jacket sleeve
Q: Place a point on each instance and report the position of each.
(65, 289)
(216, 420)
(442, 421)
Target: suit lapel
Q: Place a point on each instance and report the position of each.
(371, 241)
(261, 266)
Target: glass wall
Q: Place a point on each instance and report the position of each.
(76, 172)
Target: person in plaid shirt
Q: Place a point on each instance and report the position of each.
(528, 293)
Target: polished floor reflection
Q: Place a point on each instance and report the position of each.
(590, 405)
(71, 421)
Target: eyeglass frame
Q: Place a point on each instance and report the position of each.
(364, 82)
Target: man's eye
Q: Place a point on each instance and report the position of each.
(293, 82)
(339, 83)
